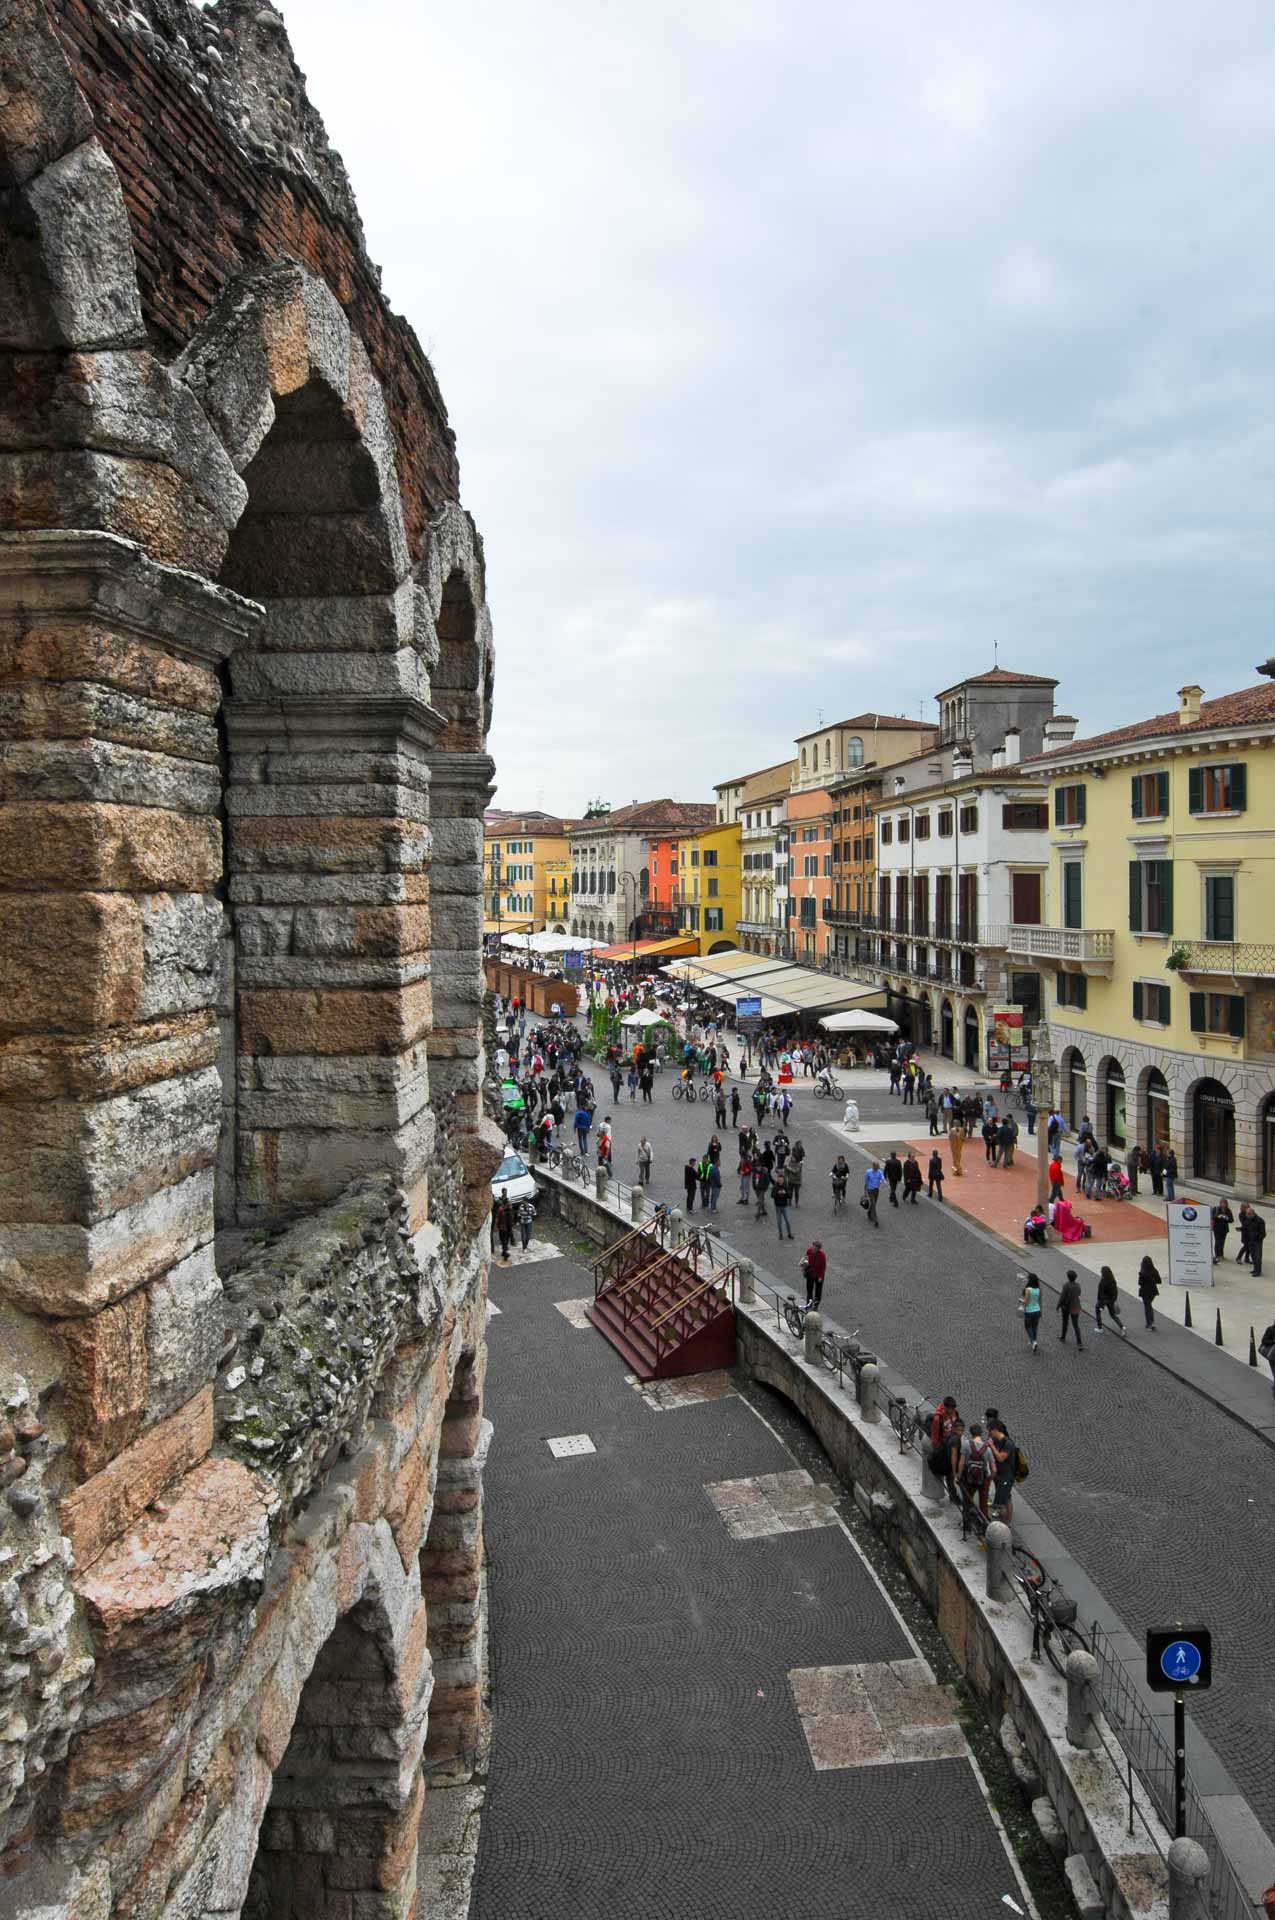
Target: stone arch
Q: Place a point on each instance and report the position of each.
(1154, 1108)
(344, 1805)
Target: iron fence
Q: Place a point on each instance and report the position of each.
(1151, 1757)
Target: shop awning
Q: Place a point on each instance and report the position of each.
(646, 949)
(506, 927)
(786, 990)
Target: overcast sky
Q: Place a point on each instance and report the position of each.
(799, 355)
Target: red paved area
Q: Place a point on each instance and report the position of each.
(1001, 1199)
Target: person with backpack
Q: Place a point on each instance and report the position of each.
(1031, 1309)
(1108, 1301)
(1069, 1307)
(976, 1469)
(1148, 1287)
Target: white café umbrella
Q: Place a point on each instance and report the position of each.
(858, 1020)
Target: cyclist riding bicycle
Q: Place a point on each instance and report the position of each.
(840, 1175)
(824, 1078)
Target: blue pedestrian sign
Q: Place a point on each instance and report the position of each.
(1179, 1657)
(1181, 1661)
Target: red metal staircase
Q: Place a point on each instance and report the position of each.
(666, 1310)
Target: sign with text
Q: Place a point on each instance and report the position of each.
(1190, 1243)
(748, 1013)
(1006, 1040)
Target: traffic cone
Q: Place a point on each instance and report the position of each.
(1188, 1322)
(1217, 1337)
(1252, 1348)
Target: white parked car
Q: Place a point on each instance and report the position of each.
(514, 1174)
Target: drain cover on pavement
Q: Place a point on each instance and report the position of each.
(569, 1443)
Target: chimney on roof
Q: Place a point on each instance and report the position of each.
(962, 760)
(1268, 667)
(1189, 705)
(1013, 750)
(998, 759)
(1060, 729)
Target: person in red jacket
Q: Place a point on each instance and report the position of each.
(814, 1266)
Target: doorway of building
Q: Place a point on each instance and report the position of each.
(947, 1030)
(971, 1038)
(1157, 1111)
(1214, 1142)
(1267, 1123)
(1116, 1124)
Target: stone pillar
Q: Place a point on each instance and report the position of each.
(460, 788)
(1082, 1700)
(451, 1573)
(813, 1336)
(999, 1544)
(869, 1392)
(110, 971)
(637, 1196)
(747, 1281)
(1188, 1881)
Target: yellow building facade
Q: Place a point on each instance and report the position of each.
(1160, 937)
(526, 872)
(708, 885)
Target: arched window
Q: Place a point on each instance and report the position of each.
(803, 756)
(827, 753)
(854, 752)
(1075, 1091)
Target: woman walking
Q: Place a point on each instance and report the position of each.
(1108, 1300)
(1148, 1287)
(1223, 1221)
(1031, 1310)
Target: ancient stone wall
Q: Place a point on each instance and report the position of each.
(245, 681)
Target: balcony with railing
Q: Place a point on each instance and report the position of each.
(1234, 959)
(1092, 948)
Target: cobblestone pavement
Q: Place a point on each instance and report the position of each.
(648, 1754)
(1163, 1499)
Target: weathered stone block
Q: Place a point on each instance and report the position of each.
(185, 1332)
(87, 295)
(106, 1380)
(69, 962)
(337, 1022)
(181, 937)
(99, 1511)
(72, 1268)
(91, 845)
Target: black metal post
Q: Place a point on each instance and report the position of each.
(1179, 1766)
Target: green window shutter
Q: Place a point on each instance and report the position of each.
(1239, 786)
(1080, 806)
(1081, 989)
(1221, 904)
(1135, 796)
(1162, 793)
(1235, 1016)
(1135, 896)
(1195, 790)
(1058, 806)
(1166, 896)
(1165, 1008)
(1137, 999)
(1197, 1013)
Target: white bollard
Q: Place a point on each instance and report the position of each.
(676, 1227)
(1000, 1542)
(814, 1334)
(1188, 1881)
(747, 1282)
(869, 1392)
(637, 1196)
(1082, 1700)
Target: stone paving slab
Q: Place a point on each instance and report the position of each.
(876, 1714)
(647, 1758)
(691, 1390)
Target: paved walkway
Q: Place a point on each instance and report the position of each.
(704, 1704)
(1143, 1471)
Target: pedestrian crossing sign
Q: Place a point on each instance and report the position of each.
(1179, 1658)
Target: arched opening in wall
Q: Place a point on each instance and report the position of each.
(315, 544)
(1156, 1132)
(1075, 1086)
(1212, 1132)
(1111, 1102)
(451, 1581)
(456, 682)
(1266, 1131)
(345, 1804)
(971, 1038)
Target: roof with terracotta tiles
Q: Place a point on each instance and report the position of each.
(1251, 706)
(647, 816)
(870, 723)
(1000, 677)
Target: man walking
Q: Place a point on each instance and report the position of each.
(873, 1180)
(690, 1182)
(814, 1266)
(1055, 1178)
(911, 1177)
(1256, 1236)
(1069, 1307)
(503, 1221)
(734, 1106)
(781, 1194)
(644, 1157)
(893, 1171)
(714, 1184)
